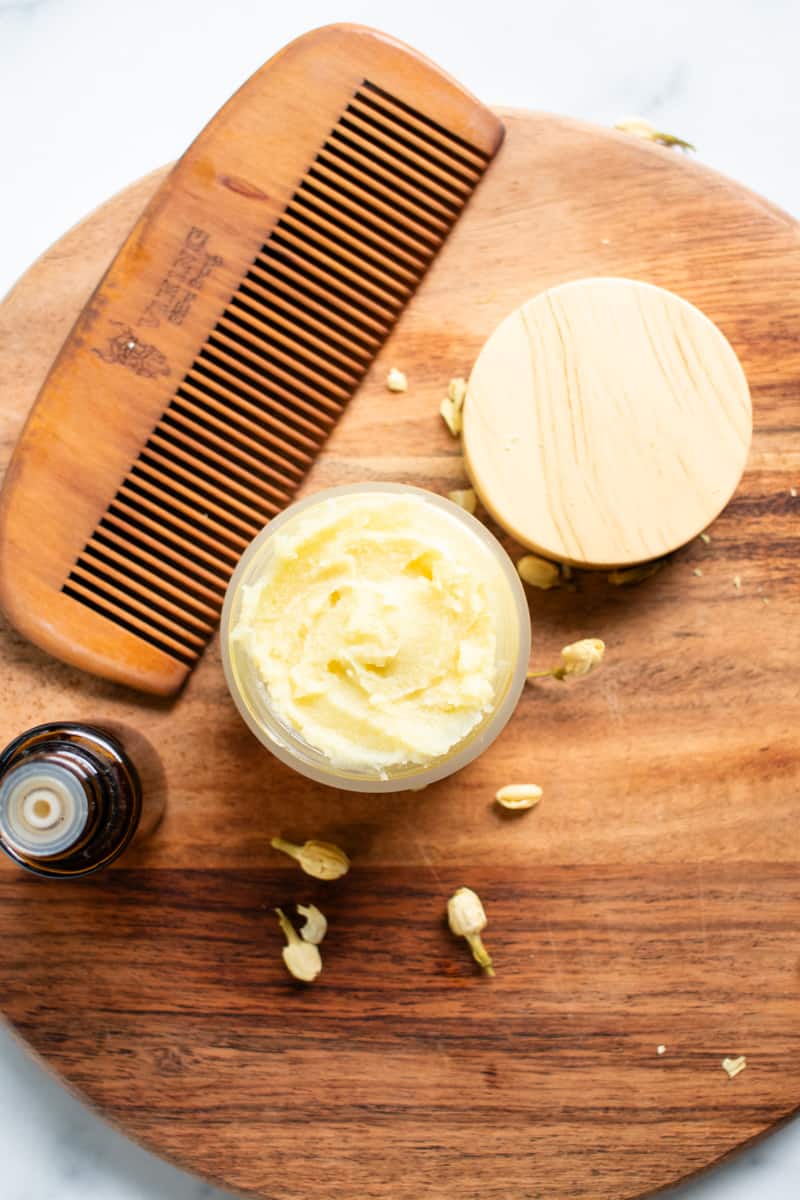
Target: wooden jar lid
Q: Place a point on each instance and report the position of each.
(607, 422)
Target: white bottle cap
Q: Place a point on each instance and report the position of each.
(43, 809)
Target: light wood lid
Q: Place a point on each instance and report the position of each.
(607, 422)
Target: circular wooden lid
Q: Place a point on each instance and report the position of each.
(607, 422)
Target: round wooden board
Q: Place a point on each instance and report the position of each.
(653, 896)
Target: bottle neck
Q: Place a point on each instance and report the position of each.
(46, 804)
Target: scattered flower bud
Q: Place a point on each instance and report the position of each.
(465, 498)
(734, 1066)
(737, 582)
(705, 538)
(661, 1049)
(320, 859)
(396, 381)
(517, 796)
(467, 919)
(640, 127)
(579, 658)
(631, 575)
(316, 925)
(302, 958)
(538, 572)
(457, 392)
(451, 416)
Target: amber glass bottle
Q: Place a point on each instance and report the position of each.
(70, 800)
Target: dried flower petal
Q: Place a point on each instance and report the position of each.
(465, 498)
(396, 381)
(451, 416)
(734, 1066)
(519, 795)
(320, 859)
(641, 127)
(457, 392)
(629, 575)
(302, 958)
(467, 918)
(316, 925)
(538, 572)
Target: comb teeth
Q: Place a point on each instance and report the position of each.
(275, 373)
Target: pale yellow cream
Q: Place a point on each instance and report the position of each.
(373, 628)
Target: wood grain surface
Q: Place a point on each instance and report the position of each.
(653, 897)
(607, 422)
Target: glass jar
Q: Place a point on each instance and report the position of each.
(251, 695)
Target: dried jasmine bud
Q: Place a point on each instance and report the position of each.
(467, 919)
(640, 127)
(451, 416)
(517, 796)
(320, 859)
(631, 575)
(316, 925)
(734, 1066)
(579, 658)
(457, 392)
(396, 381)
(538, 572)
(302, 958)
(453, 403)
(465, 498)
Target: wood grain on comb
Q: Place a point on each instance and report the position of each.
(223, 345)
(607, 422)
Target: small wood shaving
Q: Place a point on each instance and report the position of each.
(704, 537)
(630, 575)
(661, 1049)
(465, 498)
(734, 1066)
(396, 381)
(518, 796)
(538, 572)
(451, 416)
(737, 582)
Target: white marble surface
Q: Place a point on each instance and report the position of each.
(94, 93)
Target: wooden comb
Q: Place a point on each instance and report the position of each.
(223, 343)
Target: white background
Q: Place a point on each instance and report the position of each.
(94, 93)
